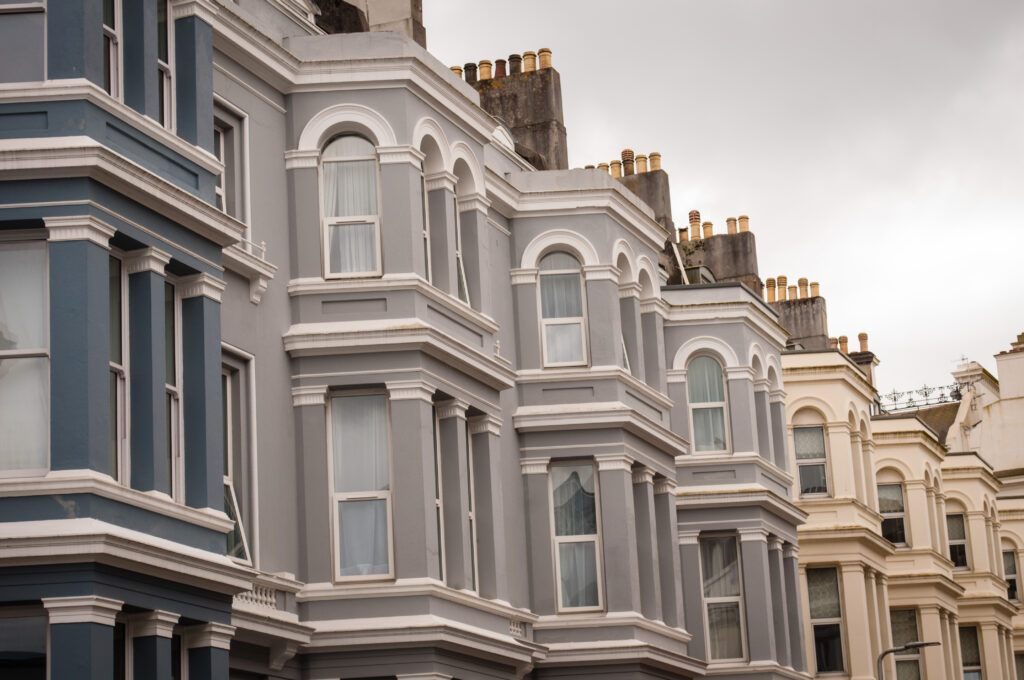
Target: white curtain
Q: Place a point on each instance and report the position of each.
(564, 342)
(724, 630)
(24, 413)
(352, 248)
(350, 188)
(890, 498)
(809, 442)
(363, 537)
(720, 563)
(23, 304)
(823, 593)
(560, 296)
(704, 381)
(573, 500)
(360, 443)
(578, 564)
(709, 429)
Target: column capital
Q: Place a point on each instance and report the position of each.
(524, 276)
(401, 153)
(762, 385)
(753, 534)
(488, 423)
(301, 158)
(154, 623)
(643, 475)
(441, 180)
(613, 461)
(202, 285)
(82, 609)
(79, 228)
(739, 373)
(777, 396)
(654, 306)
(146, 260)
(775, 543)
(600, 272)
(790, 551)
(452, 408)
(629, 290)
(689, 537)
(478, 202)
(424, 676)
(664, 485)
(309, 395)
(400, 390)
(216, 635)
(534, 466)
(852, 568)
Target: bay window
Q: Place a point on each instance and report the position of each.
(723, 596)
(706, 393)
(904, 630)
(24, 357)
(812, 462)
(826, 618)
(563, 327)
(361, 475)
(890, 505)
(576, 535)
(348, 183)
(956, 528)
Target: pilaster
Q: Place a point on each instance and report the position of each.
(455, 476)
(648, 561)
(492, 538)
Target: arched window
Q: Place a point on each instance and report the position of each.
(348, 183)
(561, 304)
(706, 393)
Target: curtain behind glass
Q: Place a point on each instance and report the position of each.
(560, 296)
(809, 442)
(352, 248)
(563, 342)
(578, 564)
(558, 261)
(574, 501)
(724, 630)
(955, 528)
(24, 413)
(23, 302)
(720, 563)
(823, 593)
(904, 626)
(969, 651)
(704, 381)
(360, 443)
(350, 188)
(890, 498)
(709, 429)
(363, 537)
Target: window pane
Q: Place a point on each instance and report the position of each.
(1009, 563)
(709, 429)
(114, 430)
(115, 309)
(363, 534)
(969, 651)
(352, 248)
(972, 675)
(169, 335)
(704, 381)
(724, 630)
(236, 546)
(720, 565)
(890, 498)
(161, 30)
(350, 188)
(812, 479)
(908, 670)
(563, 342)
(809, 442)
(823, 593)
(573, 499)
(904, 626)
(828, 647)
(109, 17)
(348, 146)
(958, 554)
(24, 413)
(955, 527)
(560, 296)
(893, 530)
(559, 261)
(360, 442)
(1011, 589)
(23, 647)
(578, 564)
(1018, 660)
(108, 79)
(23, 304)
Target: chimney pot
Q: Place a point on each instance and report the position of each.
(802, 282)
(815, 290)
(708, 229)
(529, 61)
(457, 70)
(627, 161)
(683, 235)
(844, 345)
(863, 338)
(470, 70)
(782, 287)
(641, 164)
(616, 168)
(655, 161)
(744, 223)
(833, 343)
(588, 167)
(695, 218)
(499, 69)
(544, 54)
(515, 64)
(602, 166)
(730, 225)
(791, 292)
(770, 287)
(485, 69)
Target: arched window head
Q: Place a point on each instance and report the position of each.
(706, 393)
(348, 182)
(561, 304)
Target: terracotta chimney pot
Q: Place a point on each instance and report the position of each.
(602, 166)
(627, 161)
(655, 161)
(844, 345)
(708, 229)
(815, 289)
(782, 287)
(792, 292)
(485, 69)
(770, 287)
(544, 54)
(499, 69)
(641, 164)
(833, 343)
(730, 225)
(616, 168)
(682, 235)
(457, 70)
(529, 61)
(515, 64)
(802, 282)
(863, 338)
(470, 70)
(744, 223)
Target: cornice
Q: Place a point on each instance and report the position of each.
(485, 423)
(402, 390)
(591, 374)
(312, 395)
(156, 623)
(79, 228)
(82, 609)
(258, 270)
(537, 465)
(146, 260)
(748, 312)
(202, 285)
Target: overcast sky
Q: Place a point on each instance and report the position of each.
(877, 146)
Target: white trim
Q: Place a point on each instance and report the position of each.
(524, 276)
(643, 475)
(704, 343)
(79, 228)
(486, 422)
(428, 127)
(440, 180)
(600, 272)
(295, 159)
(595, 538)
(559, 239)
(476, 202)
(202, 285)
(82, 609)
(453, 408)
(253, 481)
(535, 466)
(257, 270)
(154, 623)
(312, 395)
(215, 635)
(607, 462)
(399, 390)
(400, 154)
(664, 485)
(340, 118)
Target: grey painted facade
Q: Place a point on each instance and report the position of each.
(209, 531)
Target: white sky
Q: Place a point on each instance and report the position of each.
(877, 146)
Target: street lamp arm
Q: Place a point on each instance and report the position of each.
(902, 648)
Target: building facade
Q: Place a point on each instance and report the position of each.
(306, 371)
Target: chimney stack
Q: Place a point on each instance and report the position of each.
(627, 162)
(863, 338)
(782, 287)
(529, 61)
(844, 345)
(802, 282)
(744, 223)
(397, 16)
(815, 289)
(770, 287)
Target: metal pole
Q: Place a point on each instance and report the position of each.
(909, 645)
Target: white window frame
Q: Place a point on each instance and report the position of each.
(830, 621)
(426, 228)
(1014, 577)
(471, 510)
(908, 656)
(959, 541)
(220, 188)
(328, 221)
(37, 238)
(979, 669)
(122, 416)
(738, 599)
(230, 398)
(115, 51)
(460, 268)
(442, 561)
(565, 320)
(238, 131)
(165, 73)
(901, 516)
(724, 405)
(579, 538)
(336, 498)
(823, 461)
(176, 423)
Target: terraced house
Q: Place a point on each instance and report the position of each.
(316, 361)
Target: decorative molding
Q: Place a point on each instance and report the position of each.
(424, 676)
(753, 534)
(23, 7)
(488, 423)
(154, 623)
(689, 537)
(258, 270)
(342, 118)
(281, 652)
(82, 609)
(761, 384)
(614, 461)
(309, 395)
(777, 396)
(664, 485)
(654, 305)
(202, 285)
(202, 9)
(535, 466)
(653, 397)
(400, 390)
(629, 290)
(403, 153)
(643, 475)
(478, 202)
(704, 343)
(79, 228)
(295, 159)
(453, 408)
(216, 635)
(441, 180)
(774, 543)
(524, 276)
(675, 376)
(790, 551)
(146, 260)
(560, 239)
(600, 272)
(739, 373)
